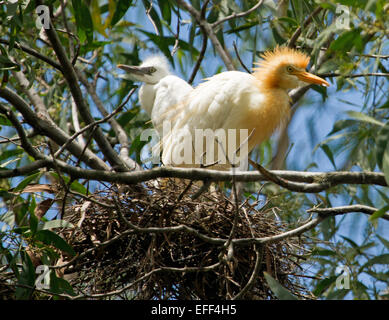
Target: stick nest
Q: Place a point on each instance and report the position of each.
(176, 265)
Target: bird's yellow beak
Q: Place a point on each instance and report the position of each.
(311, 78)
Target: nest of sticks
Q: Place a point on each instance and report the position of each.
(154, 241)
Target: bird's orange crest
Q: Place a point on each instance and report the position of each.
(283, 56)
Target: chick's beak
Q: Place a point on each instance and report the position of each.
(140, 71)
(311, 78)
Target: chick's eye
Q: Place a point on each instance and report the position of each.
(289, 69)
(152, 70)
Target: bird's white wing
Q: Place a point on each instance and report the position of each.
(219, 103)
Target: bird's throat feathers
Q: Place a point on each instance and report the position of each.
(274, 113)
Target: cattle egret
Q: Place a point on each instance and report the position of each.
(161, 91)
(258, 102)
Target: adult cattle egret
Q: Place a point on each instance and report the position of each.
(161, 91)
(258, 102)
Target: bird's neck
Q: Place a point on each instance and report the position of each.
(147, 97)
(273, 113)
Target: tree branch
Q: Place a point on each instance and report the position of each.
(237, 15)
(34, 53)
(200, 58)
(314, 181)
(22, 135)
(72, 80)
(347, 209)
(119, 131)
(356, 75)
(210, 32)
(42, 125)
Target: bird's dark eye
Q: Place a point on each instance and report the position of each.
(152, 70)
(289, 69)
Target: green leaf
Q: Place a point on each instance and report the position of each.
(381, 276)
(280, 292)
(341, 125)
(381, 259)
(385, 163)
(346, 41)
(33, 222)
(78, 187)
(353, 244)
(8, 218)
(381, 143)
(121, 9)
(364, 117)
(164, 7)
(4, 121)
(74, 186)
(163, 44)
(337, 294)
(51, 238)
(378, 214)
(323, 252)
(27, 277)
(59, 285)
(328, 153)
(324, 285)
(52, 224)
(384, 241)
(322, 90)
(6, 154)
(26, 181)
(83, 20)
(7, 64)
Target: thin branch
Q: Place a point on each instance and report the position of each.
(200, 58)
(151, 19)
(240, 60)
(71, 78)
(253, 277)
(210, 32)
(204, 9)
(76, 125)
(238, 15)
(25, 170)
(51, 130)
(27, 146)
(292, 186)
(34, 53)
(347, 209)
(109, 116)
(366, 55)
(177, 34)
(119, 131)
(147, 275)
(291, 233)
(357, 75)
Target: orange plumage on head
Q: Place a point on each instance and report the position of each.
(278, 58)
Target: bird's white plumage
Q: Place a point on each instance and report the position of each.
(161, 92)
(218, 103)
